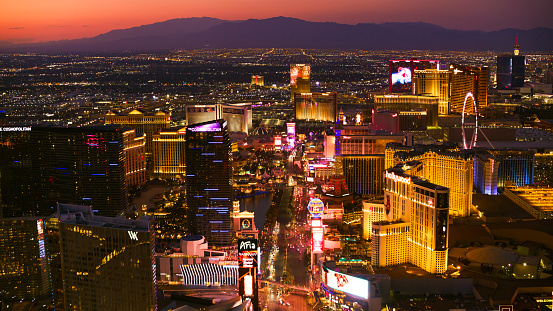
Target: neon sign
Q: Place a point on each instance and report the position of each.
(396, 178)
(347, 284)
(317, 240)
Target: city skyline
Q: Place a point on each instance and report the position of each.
(35, 21)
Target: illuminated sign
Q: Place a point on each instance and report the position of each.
(248, 264)
(316, 223)
(402, 72)
(278, 141)
(315, 207)
(133, 235)
(299, 71)
(246, 224)
(347, 284)
(40, 231)
(396, 178)
(211, 127)
(15, 129)
(309, 179)
(248, 285)
(317, 240)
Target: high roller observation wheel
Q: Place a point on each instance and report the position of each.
(465, 124)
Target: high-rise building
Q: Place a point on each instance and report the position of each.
(141, 122)
(135, 158)
(486, 173)
(516, 166)
(169, 151)
(15, 172)
(445, 165)
(419, 226)
(258, 80)
(316, 106)
(300, 80)
(209, 192)
(360, 157)
(23, 263)
(510, 69)
(106, 263)
(466, 79)
(394, 102)
(362, 173)
(434, 82)
(81, 165)
(238, 116)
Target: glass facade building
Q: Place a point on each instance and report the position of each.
(23, 262)
(209, 192)
(316, 106)
(510, 71)
(84, 165)
(106, 263)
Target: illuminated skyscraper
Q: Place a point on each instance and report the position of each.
(135, 158)
(316, 106)
(360, 157)
(467, 79)
(107, 263)
(300, 80)
(142, 123)
(209, 192)
(23, 263)
(81, 165)
(169, 151)
(419, 226)
(258, 80)
(516, 166)
(434, 82)
(15, 172)
(510, 69)
(445, 165)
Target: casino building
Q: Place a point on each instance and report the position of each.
(169, 149)
(316, 106)
(444, 165)
(417, 231)
(300, 80)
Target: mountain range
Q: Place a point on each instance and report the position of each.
(285, 32)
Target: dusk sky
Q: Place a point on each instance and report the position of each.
(40, 20)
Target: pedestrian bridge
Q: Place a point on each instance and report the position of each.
(294, 287)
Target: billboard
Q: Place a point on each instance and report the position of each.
(299, 72)
(346, 283)
(402, 72)
(317, 240)
(246, 224)
(248, 252)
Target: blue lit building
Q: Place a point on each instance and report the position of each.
(516, 166)
(209, 191)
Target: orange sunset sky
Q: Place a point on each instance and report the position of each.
(45, 20)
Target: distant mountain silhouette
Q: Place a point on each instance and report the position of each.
(284, 32)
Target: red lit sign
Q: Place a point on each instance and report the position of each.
(317, 239)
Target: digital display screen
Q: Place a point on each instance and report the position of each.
(400, 76)
(317, 239)
(402, 73)
(211, 127)
(347, 284)
(299, 71)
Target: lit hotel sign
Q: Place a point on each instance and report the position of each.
(394, 177)
(211, 127)
(15, 129)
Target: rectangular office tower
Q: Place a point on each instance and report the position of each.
(81, 165)
(209, 192)
(419, 225)
(107, 263)
(510, 71)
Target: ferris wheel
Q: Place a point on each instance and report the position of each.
(469, 121)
